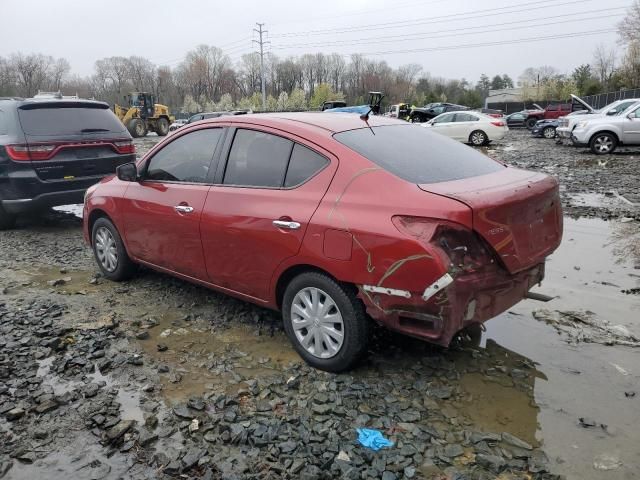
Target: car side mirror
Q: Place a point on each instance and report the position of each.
(127, 172)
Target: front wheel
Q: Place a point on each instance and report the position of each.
(137, 128)
(325, 322)
(109, 251)
(603, 143)
(478, 138)
(162, 127)
(549, 132)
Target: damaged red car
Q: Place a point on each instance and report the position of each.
(335, 221)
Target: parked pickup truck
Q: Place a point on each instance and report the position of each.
(551, 112)
(568, 123)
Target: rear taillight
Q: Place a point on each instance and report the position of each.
(462, 247)
(25, 153)
(498, 123)
(125, 147)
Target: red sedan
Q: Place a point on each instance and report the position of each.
(333, 221)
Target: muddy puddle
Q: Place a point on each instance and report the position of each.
(193, 352)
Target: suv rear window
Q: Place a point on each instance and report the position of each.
(53, 121)
(417, 155)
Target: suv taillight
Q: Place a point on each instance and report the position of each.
(126, 146)
(462, 247)
(25, 153)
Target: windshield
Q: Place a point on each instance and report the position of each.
(416, 154)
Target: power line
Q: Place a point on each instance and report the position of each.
(428, 20)
(494, 43)
(450, 32)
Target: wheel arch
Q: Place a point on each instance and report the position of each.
(293, 271)
(610, 132)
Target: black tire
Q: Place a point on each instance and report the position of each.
(549, 132)
(356, 325)
(124, 268)
(530, 123)
(7, 220)
(137, 128)
(478, 138)
(603, 143)
(162, 127)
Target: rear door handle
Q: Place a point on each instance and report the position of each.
(183, 209)
(287, 225)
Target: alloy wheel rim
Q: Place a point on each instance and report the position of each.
(317, 322)
(549, 133)
(106, 250)
(477, 139)
(604, 143)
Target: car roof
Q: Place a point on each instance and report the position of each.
(62, 102)
(328, 122)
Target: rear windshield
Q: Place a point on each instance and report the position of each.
(417, 155)
(69, 121)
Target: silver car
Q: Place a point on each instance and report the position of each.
(603, 134)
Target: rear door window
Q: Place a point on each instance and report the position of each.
(52, 120)
(257, 159)
(304, 164)
(186, 159)
(417, 154)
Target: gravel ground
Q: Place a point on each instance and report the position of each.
(157, 378)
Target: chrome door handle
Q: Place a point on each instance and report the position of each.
(286, 225)
(183, 209)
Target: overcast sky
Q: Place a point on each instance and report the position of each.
(83, 31)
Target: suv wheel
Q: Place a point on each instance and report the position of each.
(325, 321)
(109, 251)
(478, 138)
(603, 143)
(7, 220)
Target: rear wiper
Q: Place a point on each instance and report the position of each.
(91, 130)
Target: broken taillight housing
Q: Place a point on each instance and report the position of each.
(125, 146)
(465, 250)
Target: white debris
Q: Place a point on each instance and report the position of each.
(194, 426)
(606, 461)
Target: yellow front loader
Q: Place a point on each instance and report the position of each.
(143, 115)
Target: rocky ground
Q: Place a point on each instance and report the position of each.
(157, 378)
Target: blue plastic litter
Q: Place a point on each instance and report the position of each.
(372, 439)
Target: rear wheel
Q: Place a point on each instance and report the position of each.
(137, 128)
(603, 143)
(325, 321)
(109, 251)
(531, 122)
(549, 132)
(162, 128)
(478, 138)
(7, 220)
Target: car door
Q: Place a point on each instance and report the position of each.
(443, 124)
(464, 125)
(631, 127)
(256, 215)
(162, 211)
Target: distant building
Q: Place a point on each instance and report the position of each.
(504, 95)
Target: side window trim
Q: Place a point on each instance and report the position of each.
(214, 158)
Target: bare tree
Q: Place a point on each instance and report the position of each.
(629, 27)
(604, 64)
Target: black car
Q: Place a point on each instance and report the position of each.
(432, 110)
(517, 119)
(52, 150)
(545, 128)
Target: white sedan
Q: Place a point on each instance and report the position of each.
(469, 127)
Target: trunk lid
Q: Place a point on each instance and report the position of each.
(73, 139)
(517, 212)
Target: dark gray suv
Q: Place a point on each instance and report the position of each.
(52, 150)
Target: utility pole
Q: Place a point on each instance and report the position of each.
(262, 42)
